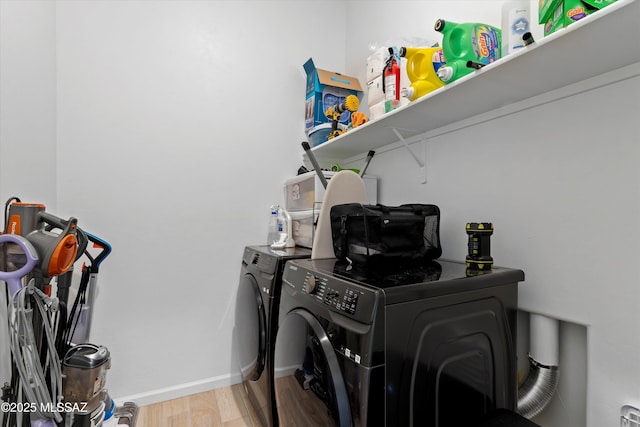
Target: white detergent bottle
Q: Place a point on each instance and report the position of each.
(285, 232)
(272, 227)
(516, 18)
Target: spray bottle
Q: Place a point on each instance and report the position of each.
(422, 66)
(475, 43)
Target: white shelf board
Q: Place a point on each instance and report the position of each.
(595, 45)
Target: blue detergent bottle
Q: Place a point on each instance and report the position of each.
(461, 43)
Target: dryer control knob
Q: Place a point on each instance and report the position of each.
(311, 284)
(255, 258)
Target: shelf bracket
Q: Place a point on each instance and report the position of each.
(421, 163)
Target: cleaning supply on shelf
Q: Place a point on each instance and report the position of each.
(467, 42)
(423, 64)
(528, 39)
(515, 23)
(376, 62)
(335, 112)
(358, 118)
(375, 80)
(391, 82)
(386, 67)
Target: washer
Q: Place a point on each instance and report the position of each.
(423, 346)
(256, 319)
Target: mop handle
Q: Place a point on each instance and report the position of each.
(366, 162)
(102, 244)
(312, 158)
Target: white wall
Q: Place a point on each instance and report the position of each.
(176, 123)
(166, 149)
(28, 101)
(561, 184)
(27, 116)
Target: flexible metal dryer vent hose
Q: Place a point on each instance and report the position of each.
(538, 389)
(544, 359)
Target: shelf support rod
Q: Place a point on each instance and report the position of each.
(421, 163)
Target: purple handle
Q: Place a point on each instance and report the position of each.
(13, 277)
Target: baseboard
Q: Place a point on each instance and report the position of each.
(180, 390)
(285, 371)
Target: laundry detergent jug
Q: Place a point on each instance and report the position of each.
(422, 66)
(461, 43)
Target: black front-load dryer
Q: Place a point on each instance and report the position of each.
(256, 319)
(428, 346)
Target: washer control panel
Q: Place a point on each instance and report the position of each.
(346, 302)
(351, 313)
(337, 294)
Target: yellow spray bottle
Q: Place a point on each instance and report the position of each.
(422, 66)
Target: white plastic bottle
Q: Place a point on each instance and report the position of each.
(516, 16)
(281, 220)
(273, 233)
(285, 231)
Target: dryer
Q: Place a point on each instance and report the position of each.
(256, 319)
(430, 346)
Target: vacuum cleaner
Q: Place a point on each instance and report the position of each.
(57, 375)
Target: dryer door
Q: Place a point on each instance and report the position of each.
(309, 386)
(251, 329)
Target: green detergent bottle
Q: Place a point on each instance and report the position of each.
(479, 43)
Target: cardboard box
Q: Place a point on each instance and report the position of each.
(326, 89)
(574, 10)
(550, 14)
(556, 14)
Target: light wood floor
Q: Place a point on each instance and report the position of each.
(224, 407)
